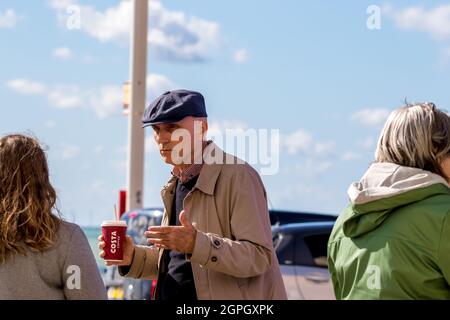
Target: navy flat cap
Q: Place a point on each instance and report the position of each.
(174, 106)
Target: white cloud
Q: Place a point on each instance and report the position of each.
(371, 117)
(61, 4)
(112, 24)
(298, 141)
(105, 100)
(8, 19)
(435, 21)
(65, 97)
(60, 96)
(175, 36)
(157, 84)
(301, 141)
(172, 35)
(350, 155)
(69, 151)
(26, 86)
(310, 167)
(324, 148)
(63, 53)
(240, 56)
(323, 166)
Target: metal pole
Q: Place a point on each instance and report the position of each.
(136, 135)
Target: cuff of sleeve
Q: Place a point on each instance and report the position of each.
(124, 270)
(134, 269)
(202, 249)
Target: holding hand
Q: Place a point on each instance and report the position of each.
(128, 252)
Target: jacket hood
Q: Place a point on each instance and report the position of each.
(383, 188)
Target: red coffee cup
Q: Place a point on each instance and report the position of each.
(113, 233)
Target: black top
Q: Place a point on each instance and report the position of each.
(177, 283)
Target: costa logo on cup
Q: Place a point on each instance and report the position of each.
(113, 241)
(114, 233)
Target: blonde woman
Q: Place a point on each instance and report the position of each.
(41, 256)
(393, 240)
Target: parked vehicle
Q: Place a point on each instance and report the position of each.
(280, 217)
(302, 253)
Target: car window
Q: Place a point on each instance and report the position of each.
(317, 245)
(284, 247)
(136, 228)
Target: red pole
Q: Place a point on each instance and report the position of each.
(122, 202)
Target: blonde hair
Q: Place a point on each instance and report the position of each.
(416, 135)
(27, 199)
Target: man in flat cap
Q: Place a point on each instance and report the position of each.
(215, 239)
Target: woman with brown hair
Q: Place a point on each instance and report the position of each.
(41, 256)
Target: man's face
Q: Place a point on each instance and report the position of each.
(176, 140)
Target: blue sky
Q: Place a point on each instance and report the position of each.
(313, 70)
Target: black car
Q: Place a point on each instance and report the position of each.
(281, 217)
(302, 254)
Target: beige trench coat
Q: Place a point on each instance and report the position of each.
(233, 256)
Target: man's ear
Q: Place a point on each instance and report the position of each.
(204, 128)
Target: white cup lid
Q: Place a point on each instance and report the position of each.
(110, 223)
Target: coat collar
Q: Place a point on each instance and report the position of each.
(211, 168)
(214, 158)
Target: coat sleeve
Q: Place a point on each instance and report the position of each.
(249, 253)
(444, 249)
(81, 277)
(144, 264)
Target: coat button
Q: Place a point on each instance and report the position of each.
(216, 242)
(214, 259)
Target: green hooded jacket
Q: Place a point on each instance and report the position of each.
(393, 240)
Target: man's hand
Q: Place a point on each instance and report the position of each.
(178, 238)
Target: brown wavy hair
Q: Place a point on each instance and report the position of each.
(27, 199)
